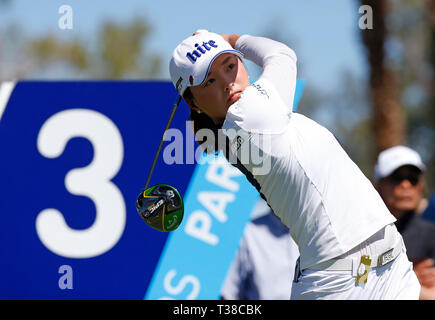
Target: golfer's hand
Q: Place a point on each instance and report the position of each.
(231, 38)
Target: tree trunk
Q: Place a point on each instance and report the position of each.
(431, 45)
(389, 116)
(430, 173)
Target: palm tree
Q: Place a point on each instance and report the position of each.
(389, 116)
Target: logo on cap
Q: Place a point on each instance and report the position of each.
(201, 49)
(191, 80)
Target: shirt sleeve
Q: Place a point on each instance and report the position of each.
(276, 59)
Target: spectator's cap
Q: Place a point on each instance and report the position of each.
(393, 158)
(192, 58)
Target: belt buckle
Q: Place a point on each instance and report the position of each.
(385, 258)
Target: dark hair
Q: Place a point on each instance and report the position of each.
(218, 141)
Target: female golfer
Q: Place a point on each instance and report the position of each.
(349, 246)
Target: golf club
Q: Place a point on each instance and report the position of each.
(161, 206)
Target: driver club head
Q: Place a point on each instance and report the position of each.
(161, 207)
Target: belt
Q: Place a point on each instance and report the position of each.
(352, 264)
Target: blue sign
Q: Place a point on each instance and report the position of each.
(74, 157)
(208, 239)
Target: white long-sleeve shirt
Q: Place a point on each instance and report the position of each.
(296, 164)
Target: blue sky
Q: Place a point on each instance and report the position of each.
(325, 33)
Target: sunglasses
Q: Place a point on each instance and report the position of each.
(412, 177)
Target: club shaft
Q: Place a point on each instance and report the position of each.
(171, 117)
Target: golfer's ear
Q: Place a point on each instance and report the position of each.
(191, 103)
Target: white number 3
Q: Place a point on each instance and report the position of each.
(92, 181)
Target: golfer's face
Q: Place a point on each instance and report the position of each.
(226, 80)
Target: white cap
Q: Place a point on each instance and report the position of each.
(193, 57)
(393, 158)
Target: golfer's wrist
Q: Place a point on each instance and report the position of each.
(233, 39)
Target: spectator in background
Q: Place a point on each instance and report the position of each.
(398, 178)
(429, 213)
(264, 265)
